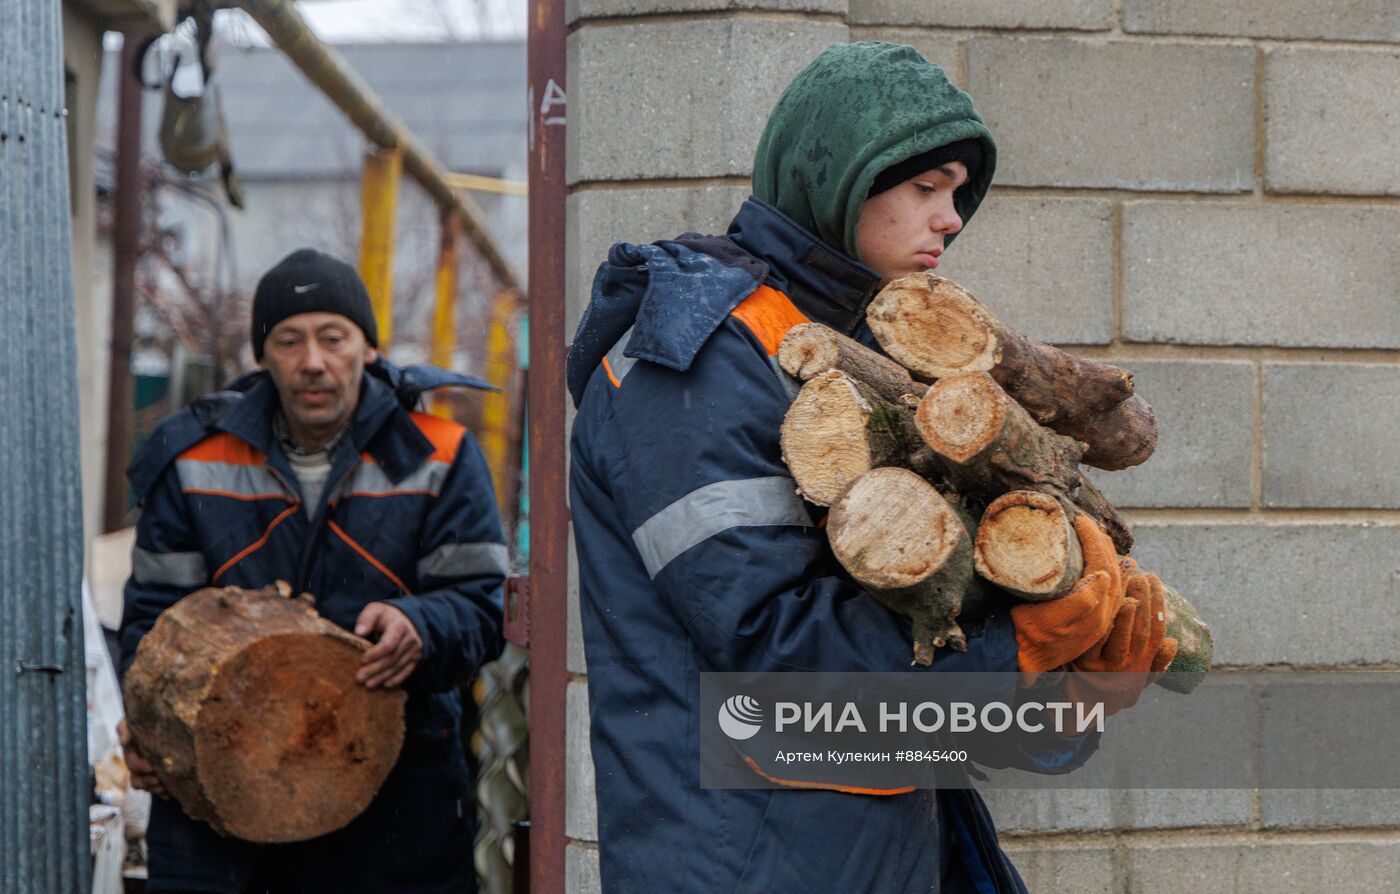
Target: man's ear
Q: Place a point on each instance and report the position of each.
(371, 354)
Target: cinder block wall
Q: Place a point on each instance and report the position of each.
(1205, 192)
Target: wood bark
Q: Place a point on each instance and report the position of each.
(839, 428)
(911, 548)
(246, 702)
(1195, 646)
(810, 349)
(1026, 545)
(936, 328)
(991, 441)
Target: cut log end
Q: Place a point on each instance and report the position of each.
(962, 415)
(892, 530)
(824, 437)
(1027, 545)
(287, 745)
(934, 327)
(807, 351)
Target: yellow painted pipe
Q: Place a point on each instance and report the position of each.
(379, 209)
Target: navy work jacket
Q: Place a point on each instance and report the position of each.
(696, 554)
(408, 516)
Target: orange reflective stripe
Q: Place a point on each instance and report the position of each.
(769, 314)
(365, 554)
(255, 545)
(607, 368)
(445, 435)
(827, 786)
(226, 448)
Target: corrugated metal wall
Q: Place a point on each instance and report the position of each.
(43, 743)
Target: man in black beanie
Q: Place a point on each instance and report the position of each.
(316, 469)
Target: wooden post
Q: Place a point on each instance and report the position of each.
(379, 204)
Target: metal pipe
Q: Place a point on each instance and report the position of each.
(379, 221)
(324, 67)
(549, 519)
(126, 247)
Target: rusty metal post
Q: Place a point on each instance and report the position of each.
(126, 248)
(549, 521)
(379, 209)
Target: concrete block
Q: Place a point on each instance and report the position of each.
(1095, 810)
(680, 99)
(1299, 19)
(1074, 113)
(1064, 870)
(1332, 120)
(1205, 414)
(1289, 275)
(1331, 435)
(1083, 15)
(1044, 266)
(940, 49)
(576, 662)
(581, 801)
(596, 218)
(1249, 582)
(581, 870)
(1263, 867)
(1328, 808)
(575, 10)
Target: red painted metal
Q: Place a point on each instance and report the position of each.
(549, 527)
(517, 611)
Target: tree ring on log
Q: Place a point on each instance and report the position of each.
(829, 412)
(934, 327)
(1026, 544)
(960, 416)
(916, 533)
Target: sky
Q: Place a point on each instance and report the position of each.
(379, 21)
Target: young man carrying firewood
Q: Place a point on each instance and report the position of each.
(317, 470)
(696, 552)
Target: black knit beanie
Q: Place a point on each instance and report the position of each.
(969, 152)
(309, 281)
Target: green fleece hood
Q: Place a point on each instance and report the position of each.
(854, 111)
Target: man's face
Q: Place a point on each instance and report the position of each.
(901, 230)
(316, 360)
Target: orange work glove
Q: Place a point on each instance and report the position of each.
(1054, 633)
(1137, 649)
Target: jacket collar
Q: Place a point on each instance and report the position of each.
(826, 285)
(381, 427)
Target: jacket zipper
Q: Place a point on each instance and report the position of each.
(317, 527)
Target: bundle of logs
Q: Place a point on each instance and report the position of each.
(957, 463)
(246, 703)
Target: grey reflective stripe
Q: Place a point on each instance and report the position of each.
(234, 479)
(703, 513)
(620, 364)
(175, 569)
(790, 385)
(370, 480)
(466, 560)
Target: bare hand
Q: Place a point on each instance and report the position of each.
(143, 773)
(397, 648)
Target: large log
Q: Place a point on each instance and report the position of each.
(937, 329)
(246, 703)
(910, 547)
(839, 428)
(810, 349)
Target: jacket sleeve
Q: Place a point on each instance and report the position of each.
(167, 562)
(692, 465)
(462, 567)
